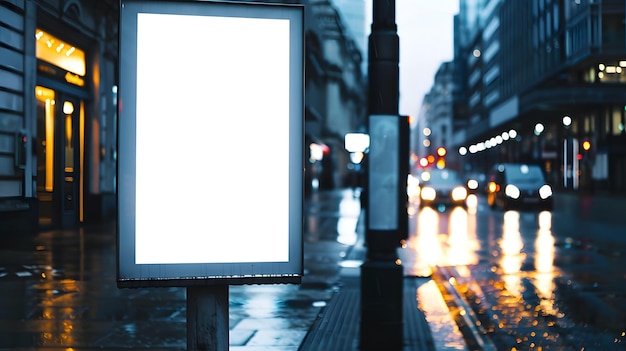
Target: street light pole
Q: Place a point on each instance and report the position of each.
(383, 59)
(387, 170)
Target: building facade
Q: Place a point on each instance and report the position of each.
(335, 88)
(354, 14)
(544, 83)
(58, 64)
(435, 123)
(335, 94)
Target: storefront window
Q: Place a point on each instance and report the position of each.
(61, 54)
(45, 120)
(618, 124)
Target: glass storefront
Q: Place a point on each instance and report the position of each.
(60, 131)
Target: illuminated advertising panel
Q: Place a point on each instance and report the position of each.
(210, 140)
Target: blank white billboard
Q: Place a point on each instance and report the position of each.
(210, 143)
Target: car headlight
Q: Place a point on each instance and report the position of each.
(545, 191)
(428, 193)
(459, 194)
(512, 191)
(472, 184)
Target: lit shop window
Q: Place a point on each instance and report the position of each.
(46, 99)
(61, 54)
(614, 72)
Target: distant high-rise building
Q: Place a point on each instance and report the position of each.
(551, 73)
(469, 19)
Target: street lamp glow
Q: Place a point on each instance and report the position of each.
(316, 151)
(356, 157)
(356, 142)
(567, 121)
(426, 131)
(441, 151)
(463, 151)
(512, 133)
(539, 128)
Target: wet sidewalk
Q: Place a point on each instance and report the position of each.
(427, 323)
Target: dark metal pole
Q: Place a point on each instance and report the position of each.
(386, 217)
(383, 59)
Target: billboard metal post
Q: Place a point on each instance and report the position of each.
(199, 83)
(207, 318)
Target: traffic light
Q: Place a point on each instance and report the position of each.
(430, 159)
(441, 160)
(585, 147)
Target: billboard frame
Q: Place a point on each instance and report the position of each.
(130, 273)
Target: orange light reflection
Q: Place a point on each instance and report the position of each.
(511, 246)
(544, 262)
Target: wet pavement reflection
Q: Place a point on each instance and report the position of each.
(58, 291)
(533, 280)
(518, 280)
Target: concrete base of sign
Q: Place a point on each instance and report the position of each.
(381, 306)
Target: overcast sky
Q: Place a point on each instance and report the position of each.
(426, 31)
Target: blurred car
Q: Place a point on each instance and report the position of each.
(515, 185)
(476, 182)
(442, 186)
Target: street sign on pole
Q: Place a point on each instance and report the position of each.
(383, 173)
(201, 83)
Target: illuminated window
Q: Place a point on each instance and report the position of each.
(611, 72)
(59, 53)
(46, 97)
(616, 121)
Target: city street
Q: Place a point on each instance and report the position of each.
(158, 143)
(529, 280)
(511, 280)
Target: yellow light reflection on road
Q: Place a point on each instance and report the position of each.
(431, 244)
(446, 334)
(544, 244)
(461, 248)
(472, 204)
(428, 246)
(544, 262)
(58, 312)
(422, 249)
(511, 247)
